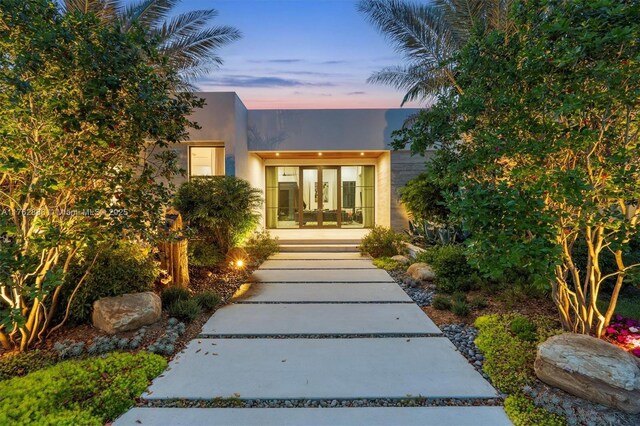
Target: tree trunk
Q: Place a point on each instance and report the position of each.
(173, 253)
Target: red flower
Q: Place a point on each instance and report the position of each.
(636, 351)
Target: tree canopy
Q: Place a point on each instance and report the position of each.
(83, 107)
(543, 144)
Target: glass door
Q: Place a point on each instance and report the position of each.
(311, 200)
(331, 212)
(320, 201)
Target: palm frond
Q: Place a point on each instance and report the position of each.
(107, 10)
(196, 52)
(183, 24)
(419, 82)
(148, 13)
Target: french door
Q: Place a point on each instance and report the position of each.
(320, 203)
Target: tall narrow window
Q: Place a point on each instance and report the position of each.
(206, 161)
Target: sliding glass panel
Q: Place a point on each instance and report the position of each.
(282, 197)
(271, 197)
(367, 188)
(357, 196)
(330, 197)
(310, 197)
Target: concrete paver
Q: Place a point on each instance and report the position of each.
(331, 319)
(317, 256)
(318, 264)
(317, 276)
(323, 292)
(320, 369)
(372, 416)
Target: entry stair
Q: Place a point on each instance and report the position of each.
(318, 246)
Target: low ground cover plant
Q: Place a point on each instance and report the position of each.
(508, 343)
(388, 264)
(21, 363)
(179, 303)
(625, 332)
(381, 241)
(92, 391)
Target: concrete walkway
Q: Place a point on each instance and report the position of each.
(328, 327)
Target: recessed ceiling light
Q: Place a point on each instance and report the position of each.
(277, 154)
(362, 153)
(320, 154)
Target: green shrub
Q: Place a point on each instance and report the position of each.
(381, 241)
(524, 329)
(260, 246)
(222, 209)
(523, 412)
(387, 264)
(21, 363)
(460, 308)
(204, 253)
(509, 359)
(184, 310)
(89, 392)
(423, 198)
(126, 267)
(170, 295)
(453, 272)
(207, 300)
(441, 302)
(459, 296)
(478, 302)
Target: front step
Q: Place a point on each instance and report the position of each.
(322, 246)
(318, 248)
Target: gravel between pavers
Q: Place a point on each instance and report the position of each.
(322, 403)
(420, 293)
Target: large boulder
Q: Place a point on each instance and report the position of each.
(126, 312)
(421, 272)
(592, 369)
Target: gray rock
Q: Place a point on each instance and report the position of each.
(421, 272)
(592, 369)
(126, 312)
(400, 258)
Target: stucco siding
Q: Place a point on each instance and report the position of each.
(404, 167)
(329, 130)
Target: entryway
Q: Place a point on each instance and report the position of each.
(320, 196)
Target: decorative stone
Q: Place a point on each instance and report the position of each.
(421, 272)
(400, 258)
(126, 312)
(592, 369)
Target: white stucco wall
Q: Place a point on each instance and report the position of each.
(337, 129)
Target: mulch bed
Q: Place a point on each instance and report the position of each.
(224, 282)
(496, 304)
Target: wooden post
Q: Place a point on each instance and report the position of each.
(173, 254)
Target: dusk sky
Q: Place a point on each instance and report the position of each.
(300, 54)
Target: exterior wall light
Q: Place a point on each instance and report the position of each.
(319, 154)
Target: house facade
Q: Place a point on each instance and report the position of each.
(318, 169)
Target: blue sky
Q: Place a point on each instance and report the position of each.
(300, 54)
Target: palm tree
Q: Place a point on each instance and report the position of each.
(186, 39)
(428, 35)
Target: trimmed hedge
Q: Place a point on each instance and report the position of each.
(88, 392)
